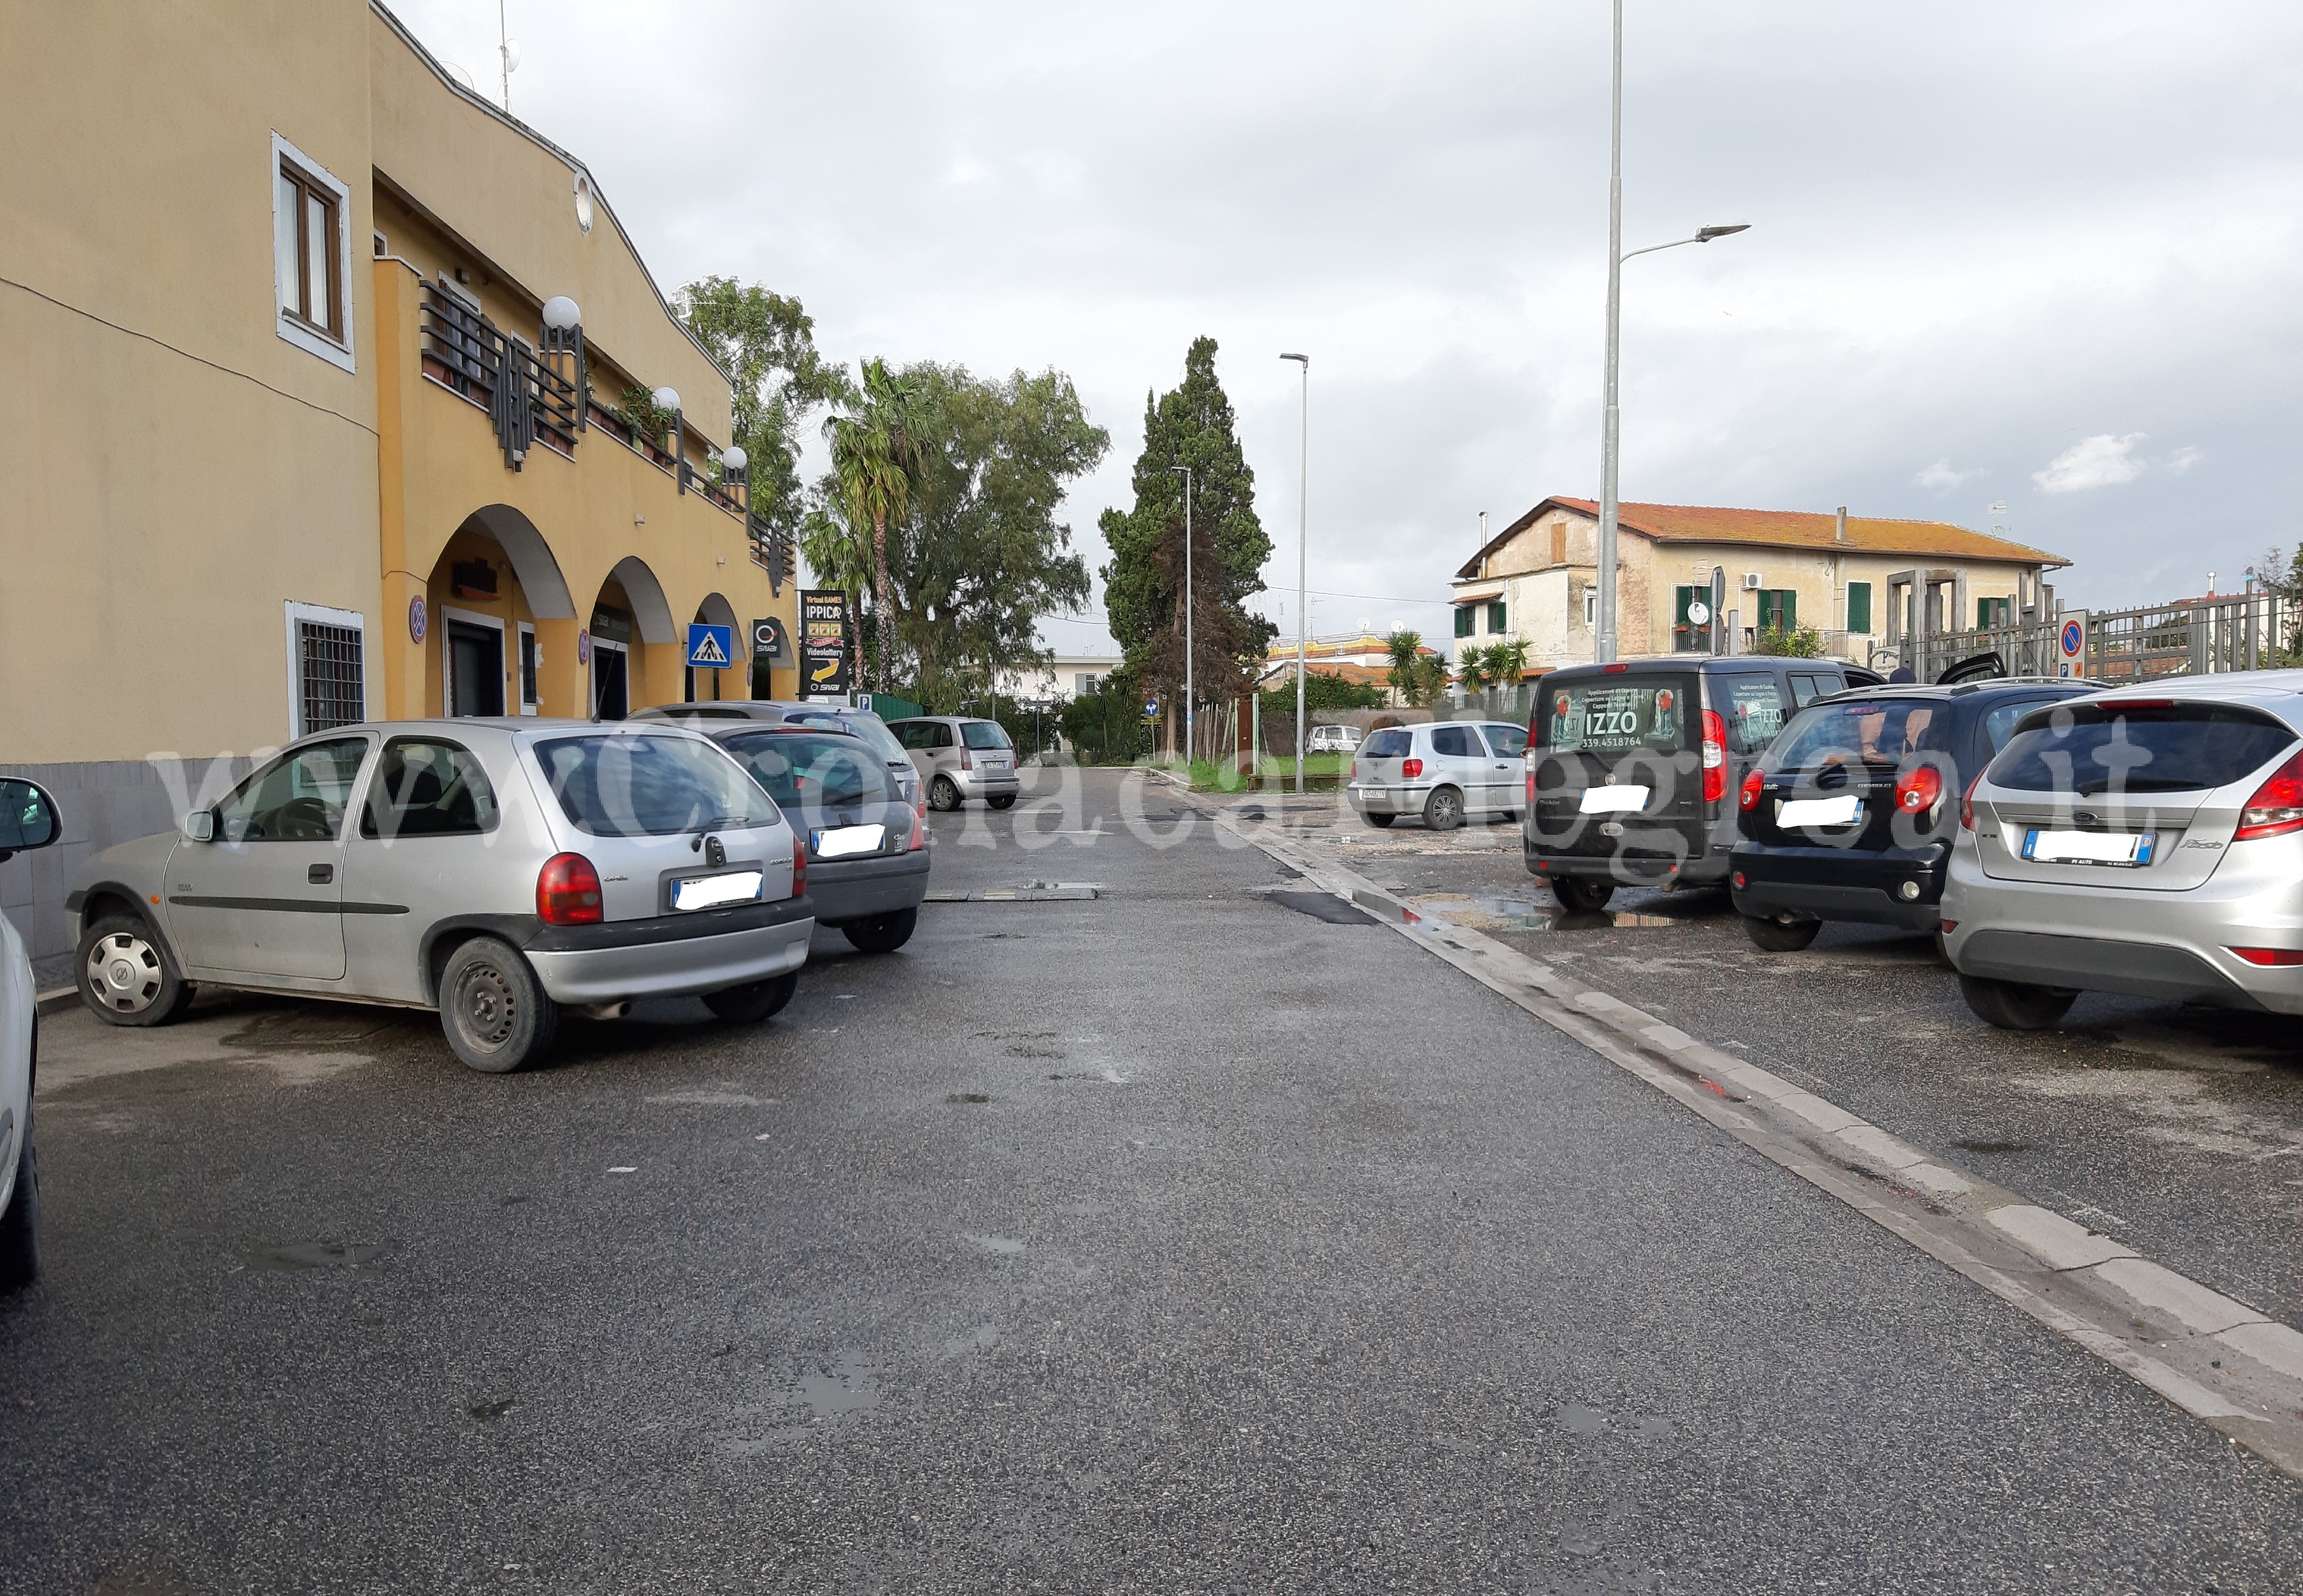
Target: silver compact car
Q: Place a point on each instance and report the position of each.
(27, 820)
(867, 849)
(2147, 841)
(960, 757)
(1442, 771)
(495, 870)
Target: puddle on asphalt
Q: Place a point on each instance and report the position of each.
(294, 1257)
(1005, 1245)
(967, 1097)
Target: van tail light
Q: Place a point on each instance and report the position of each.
(2278, 957)
(799, 865)
(919, 830)
(1530, 789)
(568, 891)
(1748, 798)
(1714, 756)
(1409, 768)
(2276, 808)
(1918, 790)
(1966, 804)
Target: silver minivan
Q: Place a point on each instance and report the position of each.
(1442, 770)
(2147, 841)
(961, 757)
(495, 870)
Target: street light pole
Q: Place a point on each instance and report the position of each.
(1604, 643)
(1191, 742)
(1302, 542)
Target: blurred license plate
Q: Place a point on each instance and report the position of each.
(1614, 800)
(1830, 811)
(842, 843)
(2088, 848)
(710, 891)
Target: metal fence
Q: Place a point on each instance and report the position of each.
(2242, 631)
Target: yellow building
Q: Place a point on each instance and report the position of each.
(316, 412)
(1855, 580)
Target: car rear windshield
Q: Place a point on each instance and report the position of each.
(1615, 714)
(863, 722)
(1867, 731)
(807, 773)
(983, 734)
(1392, 744)
(2182, 747)
(625, 786)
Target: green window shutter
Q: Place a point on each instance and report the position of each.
(1465, 616)
(1859, 607)
(1680, 598)
(1787, 609)
(1497, 620)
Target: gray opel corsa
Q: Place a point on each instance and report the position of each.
(2148, 842)
(496, 870)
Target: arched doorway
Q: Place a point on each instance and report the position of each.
(709, 684)
(634, 648)
(496, 582)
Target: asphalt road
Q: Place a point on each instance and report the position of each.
(1173, 1240)
(2178, 1130)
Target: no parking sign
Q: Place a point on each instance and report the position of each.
(2070, 642)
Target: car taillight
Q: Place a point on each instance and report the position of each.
(1966, 804)
(919, 829)
(1714, 756)
(966, 760)
(1918, 790)
(1411, 768)
(568, 891)
(2280, 956)
(800, 866)
(1748, 798)
(2277, 806)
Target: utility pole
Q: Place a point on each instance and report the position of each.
(1302, 542)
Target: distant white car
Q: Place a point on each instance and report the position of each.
(1333, 739)
(27, 820)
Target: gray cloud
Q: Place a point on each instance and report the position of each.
(1981, 233)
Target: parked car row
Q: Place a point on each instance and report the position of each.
(504, 870)
(2057, 836)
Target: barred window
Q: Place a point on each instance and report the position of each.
(334, 686)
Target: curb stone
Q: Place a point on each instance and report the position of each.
(2076, 1282)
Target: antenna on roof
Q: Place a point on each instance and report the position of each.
(508, 52)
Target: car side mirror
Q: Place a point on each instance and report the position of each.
(28, 818)
(199, 826)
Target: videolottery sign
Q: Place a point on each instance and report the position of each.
(824, 642)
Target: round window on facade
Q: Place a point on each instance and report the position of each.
(584, 202)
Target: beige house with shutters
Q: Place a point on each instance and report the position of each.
(1853, 578)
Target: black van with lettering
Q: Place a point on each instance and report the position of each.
(1633, 768)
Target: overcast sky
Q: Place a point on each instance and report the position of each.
(2046, 253)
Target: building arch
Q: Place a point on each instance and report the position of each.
(533, 562)
(716, 611)
(651, 611)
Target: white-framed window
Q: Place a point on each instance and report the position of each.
(1591, 606)
(327, 668)
(529, 666)
(311, 254)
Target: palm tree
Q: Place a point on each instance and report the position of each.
(1471, 667)
(1407, 647)
(878, 442)
(1508, 662)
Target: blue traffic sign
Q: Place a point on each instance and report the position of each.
(711, 648)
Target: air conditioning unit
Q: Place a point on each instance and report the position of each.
(1751, 581)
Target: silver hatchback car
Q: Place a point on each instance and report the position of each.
(2148, 842)
(496, 870)
(1443, 770)
(961, 757)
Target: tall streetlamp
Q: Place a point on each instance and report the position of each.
(1604, 644)
(1302, 542)
(1191, 741)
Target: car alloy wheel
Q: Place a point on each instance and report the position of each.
(944, 794)
(1443, 811)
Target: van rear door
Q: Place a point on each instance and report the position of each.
(1618, 767)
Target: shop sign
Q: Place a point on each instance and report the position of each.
(824, 642)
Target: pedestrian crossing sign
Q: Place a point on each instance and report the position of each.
(711, 648)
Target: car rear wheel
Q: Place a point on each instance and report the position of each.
(496, 1013)
(1443, 811)
(2012, 1006)
(1781, 933)
(126, 976)
(20, 1227)
(944, 794)
(882, 934)
(1378, 821)
(1582, 894)
(1005, 800)
(748, 1005)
